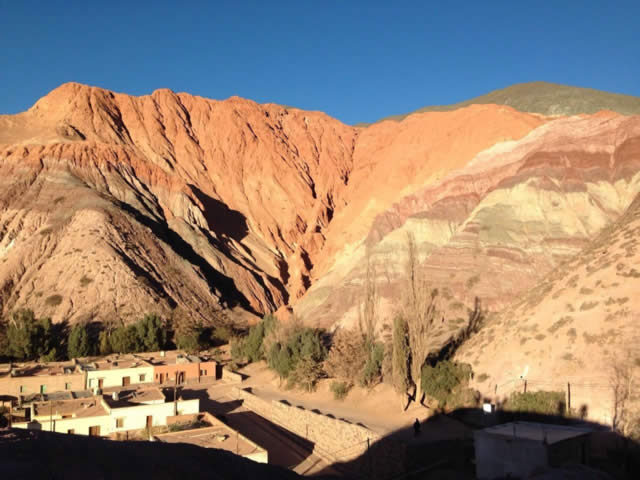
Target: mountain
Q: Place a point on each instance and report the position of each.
(573, 327)
(546, 99)
(493, 227)
(113, 205)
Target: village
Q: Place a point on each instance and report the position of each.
(175, 397)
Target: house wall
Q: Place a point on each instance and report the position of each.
(31, 384)
(191, 371)
(499, 456)
(113, 378)
(168, 372)
(80, 425)
(135, 418)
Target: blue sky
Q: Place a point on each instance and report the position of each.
(357, 61)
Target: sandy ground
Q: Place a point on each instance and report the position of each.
(378, 409)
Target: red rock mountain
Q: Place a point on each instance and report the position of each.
(113, 205)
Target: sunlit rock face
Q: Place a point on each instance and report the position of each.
(496, 225)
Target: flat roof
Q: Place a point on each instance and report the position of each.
(117, 363)
(536, 431)
(78, 408)
(134, 397)
(36, 369)
(217, 436)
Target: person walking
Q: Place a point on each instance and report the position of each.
(416, 427)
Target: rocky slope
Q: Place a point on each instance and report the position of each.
(573, 327)
(495, 226)
(113, 205)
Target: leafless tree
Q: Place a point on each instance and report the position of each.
(623, 378)
(419, 308)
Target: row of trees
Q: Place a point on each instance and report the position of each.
(25, 337)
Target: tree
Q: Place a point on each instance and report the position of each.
(151, 333)
(104, 343)
(623, 379)
(306, 374)
(346, 358)
(372, 371)
(79, 345)
(419, 309)
(124, 339)
(280, 359)
(29, 338)
(400, 359)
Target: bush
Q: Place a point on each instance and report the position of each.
(443, 380)
(543, 402)
(53, 301)
(305, 375)
(346, 358)
(340, 390)
(146, 335)
(372, 372)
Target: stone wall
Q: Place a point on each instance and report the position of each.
(335, 440)
(230, 376)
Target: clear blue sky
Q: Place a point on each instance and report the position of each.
(357, 61)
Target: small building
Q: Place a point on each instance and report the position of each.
(179, 367)
(30, 378)
(103, 415)
(118, 371)
(217, 435)
(519, 449)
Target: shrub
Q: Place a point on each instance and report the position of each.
(305, 375)
(346, 358)
(542, 402)
(371, 373)
(443, 379)
(53, 301)
(84, 281)
(221, 335)
(340, 390)
(482, 377)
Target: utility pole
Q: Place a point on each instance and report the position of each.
(568, 397)
(175, 401)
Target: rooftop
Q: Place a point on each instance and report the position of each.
(116, 363)
(217, 436)
(37, 369)
(78, 408)
(170, 357)
(132, 398)
(536, 431)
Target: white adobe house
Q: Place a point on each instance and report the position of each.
(103, 415)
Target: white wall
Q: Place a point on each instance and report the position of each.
(113, 378)
(80, 425)
(135, 418)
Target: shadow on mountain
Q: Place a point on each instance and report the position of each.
(215, 279)
(444, 449)
(220, 218)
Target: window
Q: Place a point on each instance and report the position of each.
(119, 422)
(71, 431)
(203, 373)
(67, 386)
(43, 389)
(142, 377)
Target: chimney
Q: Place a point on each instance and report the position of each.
(115, 397)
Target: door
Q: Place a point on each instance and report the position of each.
(126, 381)
(100, 383)
(149, 421)
(94, 431)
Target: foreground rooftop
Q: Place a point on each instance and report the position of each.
(536, 431)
